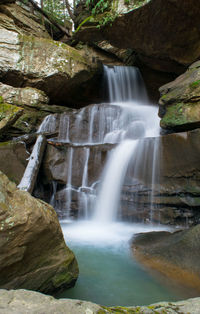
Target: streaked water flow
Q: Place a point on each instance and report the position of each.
(107, 273)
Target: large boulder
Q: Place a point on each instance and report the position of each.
(180, 101)
(23, 302)
(53, 67)
(164, 34)
(33, 252)
(175, 255)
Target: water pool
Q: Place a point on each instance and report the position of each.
(109, 275)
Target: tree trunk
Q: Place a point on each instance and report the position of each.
(69, 10)
(30, 175)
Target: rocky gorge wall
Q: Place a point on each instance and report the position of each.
(40, 76)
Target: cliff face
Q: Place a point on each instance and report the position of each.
(163, 34)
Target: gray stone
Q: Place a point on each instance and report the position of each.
(25, 302)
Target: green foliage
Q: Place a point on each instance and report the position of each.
(98, 7)
(106, 19)
(56, 9)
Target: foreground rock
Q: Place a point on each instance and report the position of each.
(53, 67)
(175, 255)
(164, 34)
(180, 101)
(33, 252)
(23, 302)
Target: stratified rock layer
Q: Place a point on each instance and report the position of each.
(180, 101)
(15, 18)
(175, 255)
(33, 252)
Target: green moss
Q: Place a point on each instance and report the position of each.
(120, 310)
(7, 110)
(195, 84)
(29, 121)
(1, 100)
(174, 116)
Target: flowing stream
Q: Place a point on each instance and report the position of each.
(109, 275)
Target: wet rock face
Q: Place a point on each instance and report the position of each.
(175, 255)
(176, 197)
(180, 101)
(166, 34)
(33, 252)
(58, 70)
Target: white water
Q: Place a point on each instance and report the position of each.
(108, 275)
(143, 123)
(113, 177)
(126, 121)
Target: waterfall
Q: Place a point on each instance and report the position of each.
(126, 90)
(107, 154)
(112, 179)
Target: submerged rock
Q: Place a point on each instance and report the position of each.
(180, 101)
(175, 255)
(23, 301)
(33, 252)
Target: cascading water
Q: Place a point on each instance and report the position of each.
(122, 138)
(126, 121)
(126, 85)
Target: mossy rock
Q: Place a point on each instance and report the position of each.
(179, 105)
(8, 115)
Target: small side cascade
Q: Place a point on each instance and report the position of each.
(107, 154)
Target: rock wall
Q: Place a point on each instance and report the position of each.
(164, 34)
